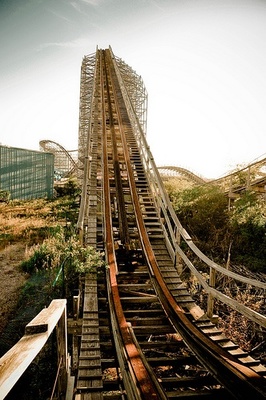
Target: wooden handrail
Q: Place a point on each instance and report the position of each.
(14, 363)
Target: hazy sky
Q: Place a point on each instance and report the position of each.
(203, 63)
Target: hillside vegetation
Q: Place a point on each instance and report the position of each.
(23, 226)
(235, 238)
(237, 234)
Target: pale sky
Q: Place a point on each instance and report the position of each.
(203, 63)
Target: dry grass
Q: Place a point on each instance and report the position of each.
(11, 280)
(21, 225)
(18, 221)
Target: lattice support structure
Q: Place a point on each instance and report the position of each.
(85, 106)
(136, 91)
(133, 85)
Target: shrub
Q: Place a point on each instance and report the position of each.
(248, 224)
(68, 188)
(64, 253)
(4, 196)
(203, 212)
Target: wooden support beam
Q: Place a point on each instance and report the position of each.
(76, 304)
(62, 353)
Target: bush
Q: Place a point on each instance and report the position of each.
(203, 211)
(63, 253)
(248, 224)
(68, 188)
(4, 196)
(40, 259)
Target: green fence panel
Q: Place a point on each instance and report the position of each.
(26, 174)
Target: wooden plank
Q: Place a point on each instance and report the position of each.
(89, 379)
(48, 316)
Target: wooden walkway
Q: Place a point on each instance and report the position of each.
(89, 381)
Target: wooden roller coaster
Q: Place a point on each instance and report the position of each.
(138, 333)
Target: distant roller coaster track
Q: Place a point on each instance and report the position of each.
(168, 171)
(64, 162)
(251, 176)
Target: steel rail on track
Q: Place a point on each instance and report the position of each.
(224, 366)
(146, 387)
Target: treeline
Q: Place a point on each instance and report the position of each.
(236, 234)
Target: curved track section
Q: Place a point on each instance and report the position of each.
(250, 177)
(64, 162)
(172, 171)
(140, 321)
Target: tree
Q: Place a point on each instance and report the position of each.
(248, 225)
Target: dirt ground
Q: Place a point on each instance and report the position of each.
(11, 280)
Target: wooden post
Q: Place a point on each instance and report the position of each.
(210, 302)
(76, 304)
(62, 355)
(178, 263)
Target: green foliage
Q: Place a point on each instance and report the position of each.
(40, 259)
(4, 196)
(44, 256)
(62, 249)
(248, 224)
(249, 208)
(68, 188)
(203, 212)
(174, 185)
(66, 208)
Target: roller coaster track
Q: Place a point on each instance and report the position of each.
(249, 177)
(139, 333)
(142, 303)
(168, 171)
(64, 162)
